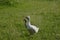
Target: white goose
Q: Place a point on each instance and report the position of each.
(31, 28)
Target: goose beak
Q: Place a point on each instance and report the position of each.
(24, 19)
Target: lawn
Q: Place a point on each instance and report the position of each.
(44, 14)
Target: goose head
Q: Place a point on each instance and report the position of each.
(28, 18)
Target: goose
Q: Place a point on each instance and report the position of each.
(31, 28)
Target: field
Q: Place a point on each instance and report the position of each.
(44, 14)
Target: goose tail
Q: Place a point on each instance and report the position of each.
(37, 30)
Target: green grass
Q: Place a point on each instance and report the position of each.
(44, 14)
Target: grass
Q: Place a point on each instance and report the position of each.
(44, 14)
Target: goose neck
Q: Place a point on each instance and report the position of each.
(28, 23)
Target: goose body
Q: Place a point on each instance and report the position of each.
(31, 28)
